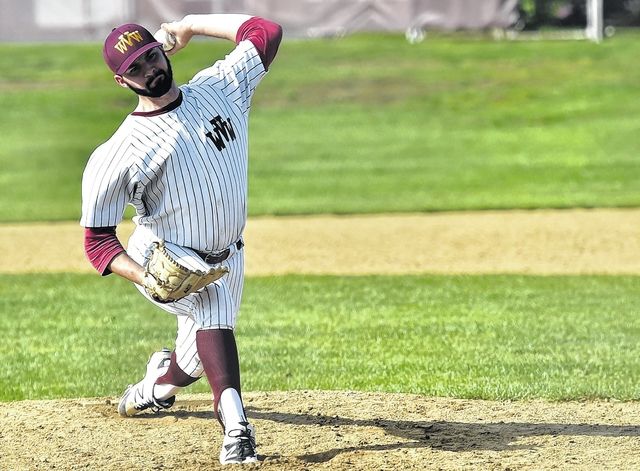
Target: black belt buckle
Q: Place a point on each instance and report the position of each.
(215, 258)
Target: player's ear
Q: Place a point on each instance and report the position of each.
(120, 81)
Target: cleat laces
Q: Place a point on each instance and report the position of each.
(244, 446)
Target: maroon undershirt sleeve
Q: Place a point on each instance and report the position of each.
(265, 36)
(101, 246)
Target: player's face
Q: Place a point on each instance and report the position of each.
(150, 74)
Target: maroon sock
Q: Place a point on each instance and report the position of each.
(175, 375)
(219, 356)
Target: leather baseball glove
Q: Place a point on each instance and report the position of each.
(166, 280)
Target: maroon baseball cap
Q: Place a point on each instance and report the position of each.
(125, 44)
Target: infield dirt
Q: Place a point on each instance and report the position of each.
(544, 242)
(352, 430)
(327, 430)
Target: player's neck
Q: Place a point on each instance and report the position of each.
(147, 103)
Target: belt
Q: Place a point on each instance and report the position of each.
(213, 258)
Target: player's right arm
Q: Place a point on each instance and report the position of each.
(127, 268)
(264, 34)
(239, 73)
(222, 26)
(107, 186)
(107, 255)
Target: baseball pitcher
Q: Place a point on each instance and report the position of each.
(180, 159)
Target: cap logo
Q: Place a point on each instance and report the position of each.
(126, 39)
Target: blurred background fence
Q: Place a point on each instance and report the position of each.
(70, 20)
(82, 20)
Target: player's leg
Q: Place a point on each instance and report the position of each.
(218, 353)
(214, 312)
(184, 366)
(219, 350)
(166, 373)
(140, 396)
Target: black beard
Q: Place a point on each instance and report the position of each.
(160, 88)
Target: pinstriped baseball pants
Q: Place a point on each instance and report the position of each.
(214, 307)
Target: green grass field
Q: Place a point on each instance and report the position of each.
(369, 123)
(492, 337)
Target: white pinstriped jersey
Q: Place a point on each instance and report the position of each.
(185, 170)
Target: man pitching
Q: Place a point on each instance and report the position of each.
(180, 158)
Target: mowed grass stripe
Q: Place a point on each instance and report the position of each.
(490, 337)
(365, 124)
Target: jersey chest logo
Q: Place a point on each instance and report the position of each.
(222, 132)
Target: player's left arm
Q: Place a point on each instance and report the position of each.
(264, 34)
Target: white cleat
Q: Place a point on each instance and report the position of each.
(239, 445)
(139, 396)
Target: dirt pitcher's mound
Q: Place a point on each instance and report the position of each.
(327, 430)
